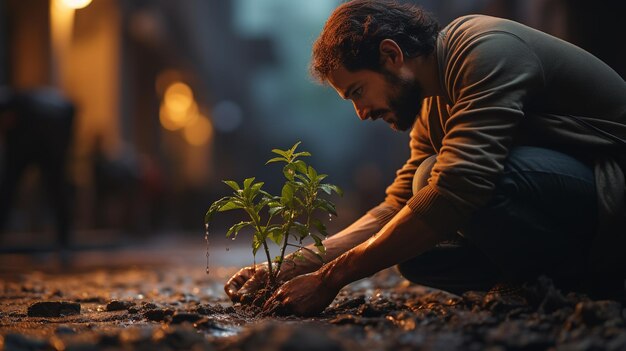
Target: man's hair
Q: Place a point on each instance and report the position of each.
(353, 32)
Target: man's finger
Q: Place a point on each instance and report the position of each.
(235, 283)
(253, 284)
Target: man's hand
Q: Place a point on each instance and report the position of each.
(246, 281)
(252, 278)
(306, 295)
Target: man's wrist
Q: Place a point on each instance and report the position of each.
(334, 273)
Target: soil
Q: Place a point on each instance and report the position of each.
(164, 307)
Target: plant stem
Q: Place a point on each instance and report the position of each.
(267, 250)
(282, 250)
(271, 277)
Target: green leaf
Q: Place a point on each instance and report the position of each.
(254, 189)
(214, 207)
(311, 173)
(272, 211)
(318, 244)
(293, 149)
(301, 154)
(287, 195)
(233, 184)
(277, 259)
(276, 235)
(283, 153)
(301, 229)
(326, 188)
(247, 182)
(289, 171)
(301, 166)
(276, 159)
(304, 179)
(234, 230)
(321, 228)
(325, 205)
(256, 244)
(329, 188)
(231, 205)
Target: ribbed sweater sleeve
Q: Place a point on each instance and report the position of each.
(400, 191)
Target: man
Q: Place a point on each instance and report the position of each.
(517, 157)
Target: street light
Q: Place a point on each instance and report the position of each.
(76, 4)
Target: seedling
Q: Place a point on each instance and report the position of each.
(292, 215)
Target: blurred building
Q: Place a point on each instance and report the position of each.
(174, 96)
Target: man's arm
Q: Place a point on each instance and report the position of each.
(359, 231)
(404, 237)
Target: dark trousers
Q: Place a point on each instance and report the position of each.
(540, 221)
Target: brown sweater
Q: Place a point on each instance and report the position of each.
(507, 85)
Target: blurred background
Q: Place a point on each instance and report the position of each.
(120, 118)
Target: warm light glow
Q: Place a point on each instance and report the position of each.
(178, 98)
(199, 132)
(166, 120)
(76, 4)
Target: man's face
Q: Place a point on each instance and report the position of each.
(375, 95)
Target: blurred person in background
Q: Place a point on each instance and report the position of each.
(36, 126)
(517, 158)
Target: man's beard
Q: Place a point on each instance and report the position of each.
(405, 102)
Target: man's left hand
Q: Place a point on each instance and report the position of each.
(306, 295)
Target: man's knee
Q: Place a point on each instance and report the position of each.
(420, 179)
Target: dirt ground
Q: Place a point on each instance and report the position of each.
(160, 299)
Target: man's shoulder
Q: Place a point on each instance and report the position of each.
(476, 24)
(495, 35)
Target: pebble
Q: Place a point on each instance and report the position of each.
(117, 305)
(158, 315)
(53, 309)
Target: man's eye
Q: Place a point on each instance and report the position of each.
(356, 93)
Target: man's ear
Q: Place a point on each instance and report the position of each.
(391, 56)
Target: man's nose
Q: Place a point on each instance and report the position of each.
(360, 111)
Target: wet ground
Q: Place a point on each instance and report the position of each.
(159, 297)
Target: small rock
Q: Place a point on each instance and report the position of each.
(182, 317)
(117, 305)
(148, 306)
(158, 315)
(53, 309)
